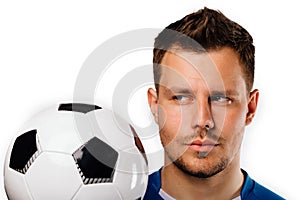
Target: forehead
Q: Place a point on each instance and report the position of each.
(216, 70)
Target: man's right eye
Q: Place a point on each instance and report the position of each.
(182, 99)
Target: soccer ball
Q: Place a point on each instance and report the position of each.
(76, 151)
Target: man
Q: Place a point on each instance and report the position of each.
(203, 99)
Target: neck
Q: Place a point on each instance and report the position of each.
(226, 184)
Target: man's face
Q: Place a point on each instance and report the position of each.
(202, 109)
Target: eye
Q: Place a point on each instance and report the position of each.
(182, 99)
(220, 99)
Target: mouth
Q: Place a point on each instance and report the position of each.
(202, 146)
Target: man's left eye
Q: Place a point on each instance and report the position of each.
(220, 99)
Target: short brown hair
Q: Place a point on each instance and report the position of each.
(211, 30)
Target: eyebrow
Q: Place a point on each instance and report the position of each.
(183, 90)
(226, 92)
(177, 90)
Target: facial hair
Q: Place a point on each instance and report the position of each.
(184, 166)
(220, 166)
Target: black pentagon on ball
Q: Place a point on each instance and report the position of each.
(24, 151)
(78, 107)
(96, 161)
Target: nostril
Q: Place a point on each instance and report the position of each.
(209, 124)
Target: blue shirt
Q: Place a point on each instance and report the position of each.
(251, 190)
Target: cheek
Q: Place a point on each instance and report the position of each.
(230, 123)
(233, 131)
(170, 121)
(235, 120)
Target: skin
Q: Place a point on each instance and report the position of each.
(202, 109)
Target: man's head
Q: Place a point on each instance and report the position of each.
(212, 31)
(204, 100)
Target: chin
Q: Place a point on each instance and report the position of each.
(203, 167)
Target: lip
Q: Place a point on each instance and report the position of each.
(202, 146)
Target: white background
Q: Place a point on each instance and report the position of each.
(43, 45)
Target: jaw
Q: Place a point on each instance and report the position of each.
(212, 164)
(227, 182)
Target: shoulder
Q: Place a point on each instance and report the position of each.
(153, 187)
(253, 190)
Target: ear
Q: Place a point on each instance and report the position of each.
(153, 103)
(252, 106)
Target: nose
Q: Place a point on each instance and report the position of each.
(203, 118)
